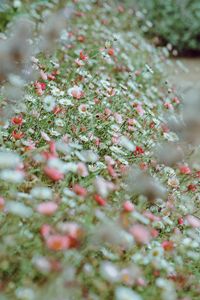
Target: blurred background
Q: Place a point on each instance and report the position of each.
(176, 25)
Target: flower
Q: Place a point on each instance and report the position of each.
(168, 245)
(184, 169)
(17, 135)
(83, 56)
(9, 159)
(47, 208)
(79, 190)
(53, 173)
(82, 169)
(111, 52)
(138, 151)
(128, 206)
(140, 233)
(18, 120)
(99, 200)
(49, 103)
(76, 92)
(193, 221)
(124, 293)
(58, 242)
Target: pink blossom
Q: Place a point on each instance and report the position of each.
(140, 110)
(140, 233)
(193, 221)
(47, 208)
(82, 169)
(128, 206)
(53, 173)
(184, 170)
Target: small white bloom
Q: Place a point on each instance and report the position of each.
(49, 103)
(109, 272)
(12, 176)
(9, 160)
(65, 102)
(42, 193)
(25, 294)
(87, 156)
(124, 293)
(126, 143)
(19, 209)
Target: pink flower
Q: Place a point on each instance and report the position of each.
(118, 118)
(168, 105)
(131, 122)
(168, 245)
(58, 242)
(76, 92)
(82, 169)
(43, 75)
(193, 221)
(184, 170)
(53, 173)
(140, 233)
(47, 208)
(128, 206)
(140, 110)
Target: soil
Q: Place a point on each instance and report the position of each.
(184, 73)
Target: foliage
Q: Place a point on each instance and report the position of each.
(176, 22)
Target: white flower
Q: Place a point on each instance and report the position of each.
(49, 103)
(42, 193)
(42, 264)
(126, 143)
(109, 272)
(87, 156)
(9, 160)
(25, 294)
(102, 186)
(57, 164)
(65, 101)
(19, 209)
(124, 293)
(75, 92)
(12, 176)
(59, 122)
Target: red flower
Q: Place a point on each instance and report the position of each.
(180, 221)
(17, 120)
(138, 151)
(79, 190)
(192, 187)
(99, 200)
(17, 135)
(83, 56)
(40, 85)
(168, 245)
(111, 52)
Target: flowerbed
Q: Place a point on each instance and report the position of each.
(98, 197)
